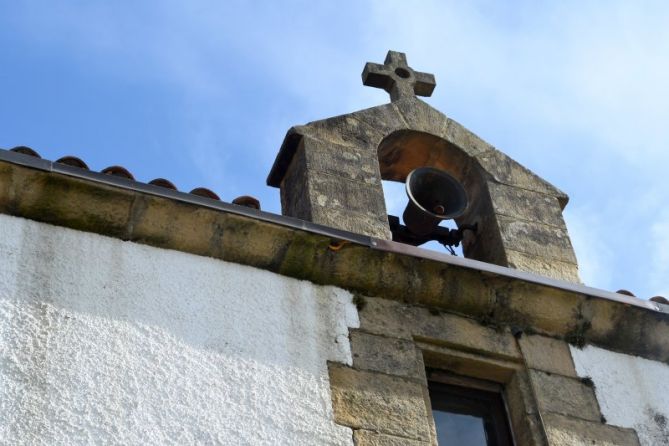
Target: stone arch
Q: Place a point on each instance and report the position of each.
(330, 172)
(405, 150)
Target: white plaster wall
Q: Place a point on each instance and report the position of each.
(110, 342)
(631, 391)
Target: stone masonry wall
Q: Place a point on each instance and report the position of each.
(330, 173)
(384, 397)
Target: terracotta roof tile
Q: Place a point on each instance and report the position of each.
(122, 172)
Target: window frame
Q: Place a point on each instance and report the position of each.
(474, 397)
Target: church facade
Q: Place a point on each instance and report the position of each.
(133, 313)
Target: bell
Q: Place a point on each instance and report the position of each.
(434, 196)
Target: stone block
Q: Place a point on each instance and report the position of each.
(293, 185)
(566, 431)
(173, 225)
(73, 203)
(387, 355)
(363, 437)
(345, 130)
(537, 239)
(7, 188)
(507, 171)
(386, 317)
(472, 365)
(541, 309)
(523, 413)
(552, 268)
(356, 222)
(519, 395)
(421, 117)
(248, 241)
(566, 396)
(525, 204)
(547, 354)
(445, 287)
(390, 318)
(336, 192)
(386, 118)
(487, 245)
(347, 162)
(471, 144)
(380, 403)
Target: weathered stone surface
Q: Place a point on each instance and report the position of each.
(7, 186)
(343, 161)
(507, 171)
(356, 222)
(334, 192)
(293, 187)
(555, 269)
(55, 199)
(345, 130)
(395, 319)
(549, 310)
(397, 78)
(174, 225)
(435, 285)
(465, 139)
(387, 317)
(547, 242)
(384, 118)
(420, 116)
(524, 204)
(379, 402)
(335, 185)
(523, 413)
(626, 328)
(363, 437)
(565, 431)
(547, 354)
(387, 355)
(566, 396)
(473, 365)
(530, 432)
(487, 245)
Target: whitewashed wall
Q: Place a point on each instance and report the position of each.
(632, 391)
(110, 342)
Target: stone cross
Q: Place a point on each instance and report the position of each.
(398, 78)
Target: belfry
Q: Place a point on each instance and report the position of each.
(330, 172)
(135, 313)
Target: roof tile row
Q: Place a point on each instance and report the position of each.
(120, 171)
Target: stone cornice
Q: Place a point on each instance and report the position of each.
(493, 295)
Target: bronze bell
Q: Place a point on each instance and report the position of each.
(434, 196)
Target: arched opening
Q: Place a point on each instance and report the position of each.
(403, 151)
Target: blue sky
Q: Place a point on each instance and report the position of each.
(202, 92)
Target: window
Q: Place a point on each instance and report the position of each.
(471, 415)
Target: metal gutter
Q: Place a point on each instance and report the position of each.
(371, 242)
